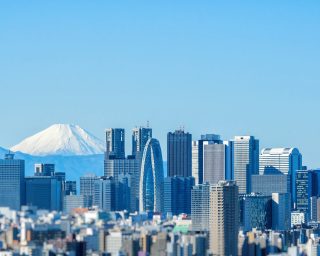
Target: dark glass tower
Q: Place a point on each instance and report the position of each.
(179, 155)
(140, 136)
(115, 146)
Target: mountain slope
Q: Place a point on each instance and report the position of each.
(61, 139)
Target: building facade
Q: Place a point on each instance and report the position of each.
(179, 154)
(246, 161)
(115, 143)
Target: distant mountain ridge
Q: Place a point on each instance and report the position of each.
(61, 139)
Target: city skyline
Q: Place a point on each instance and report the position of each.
(241, 69)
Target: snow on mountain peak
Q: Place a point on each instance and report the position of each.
(61, 139)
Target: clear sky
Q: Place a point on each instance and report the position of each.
(228, 67)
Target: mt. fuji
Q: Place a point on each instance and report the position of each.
(61, 139)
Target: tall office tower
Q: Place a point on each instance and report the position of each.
(115, 143)
(179, 154)
(314, 214)
(151, 179)
(70, 187)
(224, 218)
(281, 211)
(123, 193)
(128, 166)
(12, 183)
(177, 195)
(104, 194)
(214, 162)
(302, 191)
(87, 187)
(256, 212)
(197, 155)
(246, 161)
(44, 170)
(200, 205)
(284, 160)
(270, 183)
(140, 136)
(61, 176)
(314, 183)
(44, 192)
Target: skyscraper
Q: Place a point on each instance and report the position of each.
(115, 143)
(224, 218)
(177, 195)
(200, 207)
(281, 160)
(44, 192)
(302, 191)
(179, 154)
(12, 183)
(87, 188)
(140, 136)
(214, 162)
(256, 212)
(246, 161)
(270, 183)
(281, 219)
(70, 187)
(151, 179)
(44, 169)
(104, 194)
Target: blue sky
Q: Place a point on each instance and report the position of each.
(228, 67)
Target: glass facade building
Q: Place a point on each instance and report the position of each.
(151, 179)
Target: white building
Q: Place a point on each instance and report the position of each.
(297, 218)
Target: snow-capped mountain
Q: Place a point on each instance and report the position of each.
(61, 139)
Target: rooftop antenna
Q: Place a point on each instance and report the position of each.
(147, 123)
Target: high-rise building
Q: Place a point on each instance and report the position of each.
(104, 194)
(197, 155)
(12, 183)
(87, 187)
(115, 143)
(281, 211)
(151, 179)
(224, 218)
(127, 166)
(214, 162)
(302, 190)
(140, 136)
(44, 169)
(44, 192)
(314, 214)
(256, 212)
(70, 187)
(246, 161)
(179, 154)
(177, 195)
(270, 183)
(200, 207)
(281, 160)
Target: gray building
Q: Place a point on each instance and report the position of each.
(44, 192)
(281, 160)
(224, 218)
(177, 195)
(179, 157)
(128, 166)
(115, 143)
(12, 183)
(200, 205)
(87, 187)
(72, 202)
(104, 194)
(246, 161)
(270, 183)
